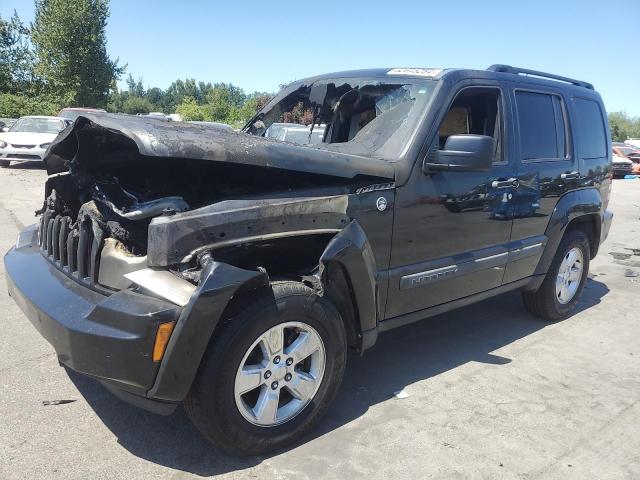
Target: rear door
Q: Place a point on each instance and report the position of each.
(547, 169)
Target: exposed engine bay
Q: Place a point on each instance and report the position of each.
(114, 206)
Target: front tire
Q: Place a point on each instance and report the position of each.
(270, 373)
(5, 163)
(562, 287)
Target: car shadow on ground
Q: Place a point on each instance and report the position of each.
(400, 358)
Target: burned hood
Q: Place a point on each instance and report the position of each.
(102, 139)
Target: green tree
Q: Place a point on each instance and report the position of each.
(70, 43)
(219, 104)
(14, 106)
(252, 105)
(155, 96)
(135, 104)
(16, 58)
(623, 126)
(135, 88)
(190, 110)
(235, 95)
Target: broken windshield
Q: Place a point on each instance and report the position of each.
(371, 116)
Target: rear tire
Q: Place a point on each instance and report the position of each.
(560, 291)
(241, 344)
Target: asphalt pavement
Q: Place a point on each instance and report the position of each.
(492, 391)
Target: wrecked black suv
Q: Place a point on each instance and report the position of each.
(228, 271)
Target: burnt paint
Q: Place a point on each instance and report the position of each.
(100, 139)
(233, 222)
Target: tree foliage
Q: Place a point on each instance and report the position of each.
(16, 58)
(623, 126)
(135, 104)
(70, 45)
(14, 106)
(190, 110)
(194, 100)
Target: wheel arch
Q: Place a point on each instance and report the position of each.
(349, 280)
(578, 209)
(221, 288)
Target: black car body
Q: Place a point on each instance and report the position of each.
(390, 228)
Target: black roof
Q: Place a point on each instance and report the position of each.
(497, 71)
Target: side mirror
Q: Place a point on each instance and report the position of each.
(463, 153)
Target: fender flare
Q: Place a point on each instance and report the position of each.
(571, 206)
(196, 324)
(351, 250)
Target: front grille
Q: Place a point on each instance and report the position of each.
(24, 156)
(621, 166)
(14, 145)
(71, 246)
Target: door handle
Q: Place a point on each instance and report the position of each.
(569, 176)
(511, 183)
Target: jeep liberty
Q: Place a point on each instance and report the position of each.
(230, 272)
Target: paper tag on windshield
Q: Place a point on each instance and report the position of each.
(415, 72)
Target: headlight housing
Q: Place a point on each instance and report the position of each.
(3, 144)
(45, 145)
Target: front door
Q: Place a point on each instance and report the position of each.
(452, 229)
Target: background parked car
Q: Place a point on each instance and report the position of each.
(156, 115)
(28, 138)
(274, 130)
(634, 142)
(621, 166)
(301, 135)
(5, 123)
(71, 113)
(629, 152)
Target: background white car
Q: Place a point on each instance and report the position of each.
(621, 166)
(634, 142)
(28, 138)
(296, 133)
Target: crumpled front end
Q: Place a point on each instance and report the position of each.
(117, 211)
(128, 242)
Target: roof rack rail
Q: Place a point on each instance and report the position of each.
(535, 73)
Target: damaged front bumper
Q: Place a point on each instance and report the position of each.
(106, 337)
(111, 337)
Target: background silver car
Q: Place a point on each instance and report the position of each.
(28, 138)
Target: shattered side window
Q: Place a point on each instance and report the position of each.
(362, 116)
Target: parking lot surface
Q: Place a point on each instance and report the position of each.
(492, 391)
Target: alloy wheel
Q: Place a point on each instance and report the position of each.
(569, 275)
(280, 374)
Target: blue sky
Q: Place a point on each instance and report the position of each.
(259, 45)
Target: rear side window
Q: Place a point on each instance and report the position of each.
(591, 133)
(543, 129)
